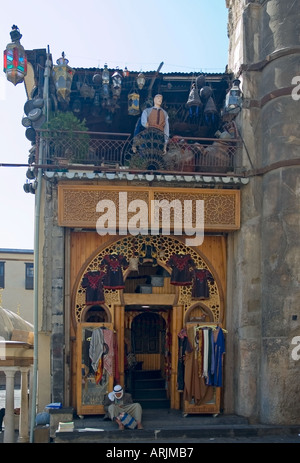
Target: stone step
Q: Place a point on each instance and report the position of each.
(154, 403)
(156, 383)
(146, 374)
(149, 393)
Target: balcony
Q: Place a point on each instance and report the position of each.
(146, 152)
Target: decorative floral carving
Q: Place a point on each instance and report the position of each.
(165, 246)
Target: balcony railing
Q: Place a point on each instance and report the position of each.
(145, 152)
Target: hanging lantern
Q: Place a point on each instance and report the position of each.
(76, 107)
(140, 80)
(210, 107)
(133, 103)
(116, 80)
(86, 91)
(15, 61)
(63, 76)
(210, 112)
(97, 78)
(233, 101)
(205, 93)
(194, 98)
(116, 84)
(125, 72)
(105, 75)
(200, 81)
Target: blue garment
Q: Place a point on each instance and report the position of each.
(215, 375)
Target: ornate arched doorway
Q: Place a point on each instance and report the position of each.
(146, 259)
(157, 251)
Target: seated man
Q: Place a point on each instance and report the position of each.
(117, 402)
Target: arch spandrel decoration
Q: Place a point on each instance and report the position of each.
(165, 246)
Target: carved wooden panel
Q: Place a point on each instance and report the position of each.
(77, 205)
(221, 207)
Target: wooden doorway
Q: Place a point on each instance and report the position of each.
(148, 355)
(148, 339)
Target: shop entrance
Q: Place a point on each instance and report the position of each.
(147, 315)
(148, 354)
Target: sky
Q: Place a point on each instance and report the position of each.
(187, 36)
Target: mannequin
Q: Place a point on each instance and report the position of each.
(157, 118)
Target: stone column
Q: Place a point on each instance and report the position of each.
(9, 430)
(23, 423)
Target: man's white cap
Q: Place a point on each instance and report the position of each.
(117, 389)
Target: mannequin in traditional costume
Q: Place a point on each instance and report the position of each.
(157, 118)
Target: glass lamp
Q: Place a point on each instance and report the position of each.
(125, 72)
(116, 80)
(63, 76)
(15, 61)
(140, 80)
(234, 97)
(105, 75)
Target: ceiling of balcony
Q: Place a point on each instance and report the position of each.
(174, 87)
(111, 115)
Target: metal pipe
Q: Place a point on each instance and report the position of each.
(36, 256)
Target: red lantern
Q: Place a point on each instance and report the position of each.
(15, 61)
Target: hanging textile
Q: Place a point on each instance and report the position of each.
(116, 359)
(96, 352)
(108, 355)
(182, 265)
(215, 376)
(183, 347)
(195, 389)
(168, 346)
(210, 353)
(114, 275)
(103, 352)
(200, 289)
(93, 282)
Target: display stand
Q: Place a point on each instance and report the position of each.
(213, 405)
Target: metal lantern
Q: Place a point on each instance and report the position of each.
(194, 98)
(15, 61)
(125, 72)
(133, 103)
(116, 84)
(234, 97)
(63, 76)
(86, 91)
(116, 80)
(105, 75)
(140, 80)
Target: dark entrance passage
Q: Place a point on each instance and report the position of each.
(146, 374)
(148, 332)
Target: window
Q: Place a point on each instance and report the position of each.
(29, 276)
(2, 274)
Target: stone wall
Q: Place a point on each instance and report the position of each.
(264, 272)
(53, 294)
